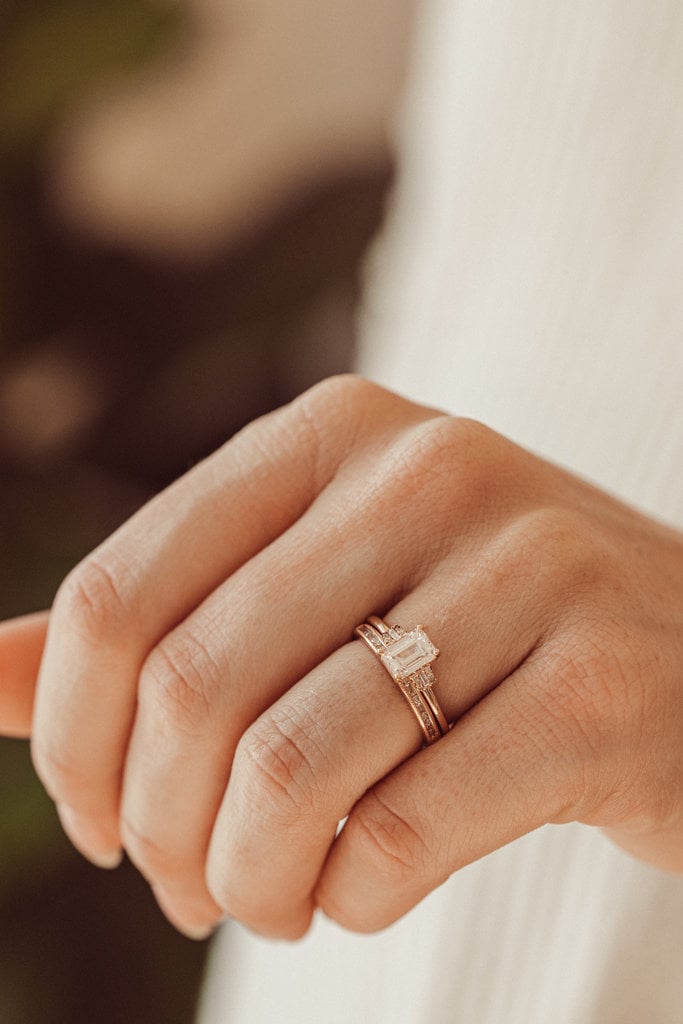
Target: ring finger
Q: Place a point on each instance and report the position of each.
(305, 762)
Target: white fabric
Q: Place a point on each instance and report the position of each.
(531, 276)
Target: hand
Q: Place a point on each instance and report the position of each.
(208, 644)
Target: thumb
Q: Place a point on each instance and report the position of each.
(21, 649)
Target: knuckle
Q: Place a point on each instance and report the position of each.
(316, 425)
(92, 599)
(181, 678)
(279, 764)
(554, 526)
(473, 436)
(329, 414)
(443, 470)
(395, 846)
(463, 451)
(544, 546)
(342, 411)
(567, 544)
(461, 438)
(339, 394)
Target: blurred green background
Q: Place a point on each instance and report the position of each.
(118, 370)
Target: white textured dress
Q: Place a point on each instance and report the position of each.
(532, 277)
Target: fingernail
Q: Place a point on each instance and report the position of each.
(88, 839)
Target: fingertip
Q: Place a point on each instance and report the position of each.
(353, 919)
(92, 840)
(184, 917)
(278, 924)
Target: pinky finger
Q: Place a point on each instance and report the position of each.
(21, 649)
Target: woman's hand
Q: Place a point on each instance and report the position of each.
(207, 644)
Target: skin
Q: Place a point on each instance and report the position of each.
(200, 701)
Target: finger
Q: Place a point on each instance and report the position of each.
(21, 648)
(145, 579)
(513, 763)
(306, 762)
(158, 568)
(206, 682)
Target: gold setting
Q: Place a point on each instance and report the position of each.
(407, 655)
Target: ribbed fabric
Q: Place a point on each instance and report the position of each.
(557, 928)
(531, 276)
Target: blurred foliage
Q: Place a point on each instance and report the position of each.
(52, 52)
(76, 945)
(27, 824)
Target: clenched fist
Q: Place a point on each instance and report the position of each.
(202, 703)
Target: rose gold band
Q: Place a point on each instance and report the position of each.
(407, 656)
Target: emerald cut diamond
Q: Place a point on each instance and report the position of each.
(410, 653)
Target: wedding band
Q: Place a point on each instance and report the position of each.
(407, 655)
